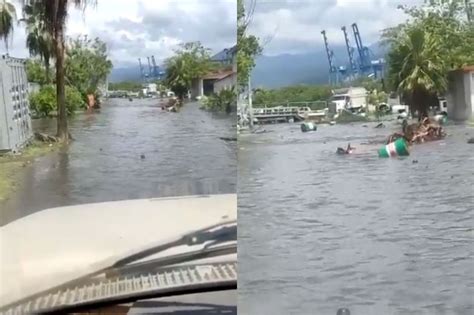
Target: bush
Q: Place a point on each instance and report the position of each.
(43, 102)
(221, 101)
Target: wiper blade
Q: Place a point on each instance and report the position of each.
(163, 262)
(220, 233)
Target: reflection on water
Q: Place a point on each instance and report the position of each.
(182, 155)
(318, 231)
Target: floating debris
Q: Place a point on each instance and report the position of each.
(471, 141)
(397, 148)
(425, 130)
(308, 126)
(348, 150)
(228, 138)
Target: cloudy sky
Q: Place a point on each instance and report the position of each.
(141, 28)
(294, 26)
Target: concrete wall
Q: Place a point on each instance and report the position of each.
(460, 95)
(197, 88)
(226, 83)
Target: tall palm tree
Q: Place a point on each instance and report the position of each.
(54, 14)
(417, 68)
(7, 16)
(39, 41)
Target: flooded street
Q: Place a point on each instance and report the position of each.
(319, 231)
(182, 155)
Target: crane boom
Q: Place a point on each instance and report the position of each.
(149, 67)
(363, 51)
(329, 53)
(155, 70)
(350, 50)
(141, 68)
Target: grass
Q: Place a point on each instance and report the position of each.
(11, 165)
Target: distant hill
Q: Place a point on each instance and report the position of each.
(276, 71)
(124, 74)
(311, 68)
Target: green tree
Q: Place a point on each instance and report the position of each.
(87, 64)
(248, 46)
(296, 93)
(435, 40)
(417, 68)
(38, 40)
(36, 72)
(54, 14)
(44, 101)
(7, 17)
(191, 61)
(125, 86)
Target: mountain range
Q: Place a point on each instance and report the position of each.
(280, 70)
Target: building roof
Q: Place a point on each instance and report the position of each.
(225, 54)
(218, 75)
(468, 68)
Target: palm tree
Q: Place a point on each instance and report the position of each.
(7, 16)
(54, 14)
(39, 41)
(417, 68)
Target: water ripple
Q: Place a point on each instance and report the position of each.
(319, 231)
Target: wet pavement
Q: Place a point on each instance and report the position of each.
(319, 231)
(130, 150)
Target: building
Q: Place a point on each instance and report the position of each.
(225, 57)
(223, 78)
(460, 96)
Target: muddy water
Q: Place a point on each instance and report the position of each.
(318, 231)
(182, 155)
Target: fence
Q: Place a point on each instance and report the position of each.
(15, 120)
(314, 105)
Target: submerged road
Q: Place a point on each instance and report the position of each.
(319, 231)
(130, 150)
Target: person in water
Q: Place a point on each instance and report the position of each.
(348, 150)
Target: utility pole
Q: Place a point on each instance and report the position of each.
(250, 104)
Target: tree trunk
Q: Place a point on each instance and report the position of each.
(60, 89)
(46, 66)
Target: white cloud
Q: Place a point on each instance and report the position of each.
(294, 26)
(134, 29)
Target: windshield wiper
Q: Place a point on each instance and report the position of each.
(215, 235)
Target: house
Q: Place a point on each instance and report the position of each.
(225, 57)
(225, 77)
(460, 96)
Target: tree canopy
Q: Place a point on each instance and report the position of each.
(191, 61)
(438, 38)
(248, 46)
(87, 64)
(7, 19)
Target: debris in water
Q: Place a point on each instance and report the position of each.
(398, 147)
(228, 138)
(425, 130)
(414, 161)
(471, 141)
(348, 150)
(343, 311)
(142, 156)
(381, 125)
(308, 126)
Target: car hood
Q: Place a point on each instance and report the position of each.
(57, 245)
